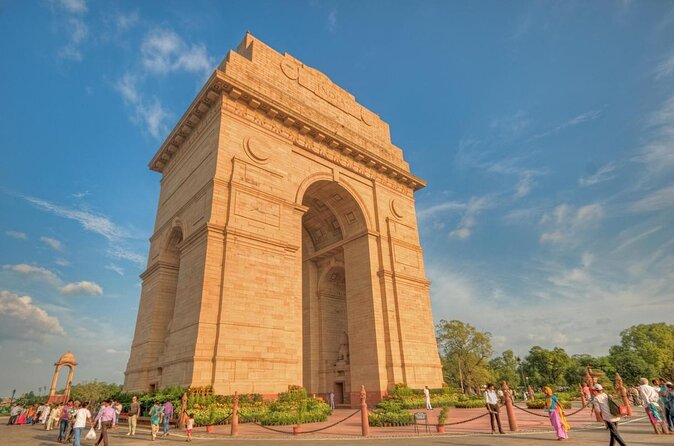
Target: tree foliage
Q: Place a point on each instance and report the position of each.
(547, 367)
(94, 391)
(504, 368)
(645, 350)
(465, 353)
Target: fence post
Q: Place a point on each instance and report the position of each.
(590, 383)
(364, 420)
(235, 416)
(508, 397)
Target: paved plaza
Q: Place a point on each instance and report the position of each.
(635, 431)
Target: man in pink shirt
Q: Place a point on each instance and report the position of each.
(107, 417)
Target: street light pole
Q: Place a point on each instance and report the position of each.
(11, 400)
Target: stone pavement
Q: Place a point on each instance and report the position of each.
(636, 431)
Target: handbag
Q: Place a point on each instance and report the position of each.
(91, 435)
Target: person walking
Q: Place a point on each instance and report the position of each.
(331, 399)
(63, 421)
(155, 418)
(189, 425)
(669, 402)
(427, 397)
(557, 417)
(106, 415)
(134, 413)
(81, 415)
(54, 416)
(491, 402)
(14, 414)
(649, 400)
(168, 414)
(601, 405)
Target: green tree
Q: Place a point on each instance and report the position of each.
(504, 368)
(547, 367)
(94, 391)
(649, 347)
(465, 352)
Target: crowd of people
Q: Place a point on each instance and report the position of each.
(71, 418)
(656, 398)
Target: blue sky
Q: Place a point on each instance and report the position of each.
(545, 131)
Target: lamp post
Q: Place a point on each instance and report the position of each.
(11, 400)
(519, 365)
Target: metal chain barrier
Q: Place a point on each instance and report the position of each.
(311, 431)
(547, 416)
(466, 421)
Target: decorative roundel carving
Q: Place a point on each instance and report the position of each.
(257, 149)
(366, 116)
(396, 208)
(290, 69)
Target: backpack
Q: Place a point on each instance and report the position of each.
(613, 407)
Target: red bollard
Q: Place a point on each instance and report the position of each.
(510, 412)
(364, 420)
(620, 388)
(235, 416)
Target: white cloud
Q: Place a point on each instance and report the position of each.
(79, 31)
(434, 210)
(119, 252)
(164, 51)
(34, 272)
(73, 6)
(474, 207)
(660, 199)
(22, 319)
(112, 267)
(83, 287)
(332, 21)
(604, 173)
(78, 195)
(657, 150)
(637, 237)
(525, 183)
(151, 115)
(124, 21)
(16, 234)
(117, 352)
(576, 120)
(53, 243)
(62, 262)
(564, 222)
(90, 221)
(665, 68)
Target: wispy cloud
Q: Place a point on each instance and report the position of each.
(82, 288)
(655, 201)
(73, 6)
(576, 120)
(53, 243)
(62, 262)
(17, 235)
(22, 319)
(565, 221)
(112, 267)
(149, 113)
(469, 220)
(665, 68)
(604, 173)
(164, 51)
(332, 21)
(121, 252)
(34, 272)
(637, 237)
(76, 28)
(78, 195)
(440, 208)
(89, 220)
(657, 151)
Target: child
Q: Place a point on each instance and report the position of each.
(189, 425)
(155, 418)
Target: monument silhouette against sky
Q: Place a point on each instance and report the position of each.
(285, 248)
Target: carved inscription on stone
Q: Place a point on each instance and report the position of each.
(257, 209)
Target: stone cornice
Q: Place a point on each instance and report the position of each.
(221, 85)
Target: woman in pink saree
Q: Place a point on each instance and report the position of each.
(557, 418)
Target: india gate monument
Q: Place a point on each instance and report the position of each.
(285, 248)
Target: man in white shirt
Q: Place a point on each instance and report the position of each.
(649, 400)
(600, 404)
(491, 402)
(427, 397)
(80, 417)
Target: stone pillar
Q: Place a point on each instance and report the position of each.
(235, 416)
(510, 412)
(365, 421)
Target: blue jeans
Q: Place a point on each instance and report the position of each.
(78, 431)
(166, 423)
(63, 427)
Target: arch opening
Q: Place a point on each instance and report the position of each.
(332, 220)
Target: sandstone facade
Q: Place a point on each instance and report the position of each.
(285, 248)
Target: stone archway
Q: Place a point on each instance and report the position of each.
(67, 360)
(332, 223)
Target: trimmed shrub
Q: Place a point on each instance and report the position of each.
(540, 404)
(469, 404)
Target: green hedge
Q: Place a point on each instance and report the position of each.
(540, 404)
(470, 404)
(385, 419)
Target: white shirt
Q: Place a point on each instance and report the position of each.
(490, 397)
(648, 395)
(81, 417)
(427, 393)
(601, 404)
